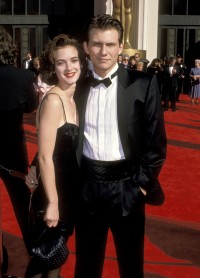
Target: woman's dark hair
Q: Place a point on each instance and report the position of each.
(155, 60)
(105, 22)
(8, 49)
(47, 63)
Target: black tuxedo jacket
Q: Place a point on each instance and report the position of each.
(140, 122)
(30, 65)
(17, 96)
(171, 81)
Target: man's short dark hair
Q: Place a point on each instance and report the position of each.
(105, 22)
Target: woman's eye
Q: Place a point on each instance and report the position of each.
(75, 60)
(59, 63)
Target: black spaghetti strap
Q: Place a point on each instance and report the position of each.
(61, 102)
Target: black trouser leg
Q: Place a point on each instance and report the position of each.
(173, 98)
(20, 196)
(91, 236)
(165, 99)
(128, 234)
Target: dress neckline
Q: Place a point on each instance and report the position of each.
(72, 124)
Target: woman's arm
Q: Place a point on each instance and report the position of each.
(49, 118)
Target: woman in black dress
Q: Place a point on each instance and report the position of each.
(57, 122)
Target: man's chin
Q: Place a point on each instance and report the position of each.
(103, 67)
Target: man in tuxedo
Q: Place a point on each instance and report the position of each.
(17, 97)
(182, 74)
(121, 150)
(27, 62)
(171, 74)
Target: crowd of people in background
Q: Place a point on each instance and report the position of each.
(172, 74)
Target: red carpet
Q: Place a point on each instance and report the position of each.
(172, 231)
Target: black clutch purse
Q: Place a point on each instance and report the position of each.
(49, 245)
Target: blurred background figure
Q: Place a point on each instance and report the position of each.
(195, 83)
(137, 57)
(36, 65)
(182, 74)
(125, 60)
(132, 62)
(165, 61)
(156, 68)
(27, 63)
(41, 88)
(170, 84)
(120, 58)
(17, 97)
(139, 66)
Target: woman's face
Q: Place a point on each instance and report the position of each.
(197, 64)
(67, 65)
(132, 62)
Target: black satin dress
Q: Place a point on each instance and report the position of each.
(67, 184)
(67, 177)
(66, 168)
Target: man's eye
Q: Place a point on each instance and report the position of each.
(97, 44)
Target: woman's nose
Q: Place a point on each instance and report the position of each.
(68, 66)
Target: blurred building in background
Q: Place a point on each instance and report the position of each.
(160, 27)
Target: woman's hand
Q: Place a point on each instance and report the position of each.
(31, 178)
(52, 215)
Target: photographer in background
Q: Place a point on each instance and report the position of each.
(17, 97)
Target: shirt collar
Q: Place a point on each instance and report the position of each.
(108, 75)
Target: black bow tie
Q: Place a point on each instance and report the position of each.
(106, 81)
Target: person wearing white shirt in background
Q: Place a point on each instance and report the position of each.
(170, 84)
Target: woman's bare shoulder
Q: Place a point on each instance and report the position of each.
(51, 101)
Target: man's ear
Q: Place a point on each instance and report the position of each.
(85, 47)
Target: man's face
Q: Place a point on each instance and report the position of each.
(179, 60)
(28, 56)
(103, 49)
(137, 57)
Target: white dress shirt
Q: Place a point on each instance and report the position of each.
(170, 70)
(27, 63)
(101, 133)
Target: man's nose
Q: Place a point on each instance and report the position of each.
(103, 49)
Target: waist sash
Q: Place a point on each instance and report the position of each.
(106, 171)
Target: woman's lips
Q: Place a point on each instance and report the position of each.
(68, 75)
